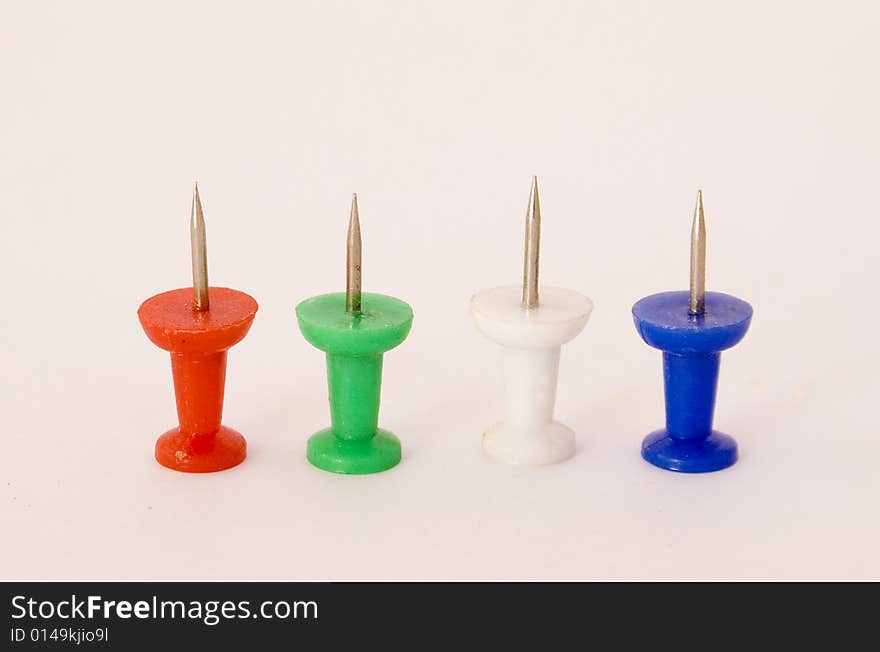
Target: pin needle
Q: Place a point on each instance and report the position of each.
(353, 261)
(199, 252)
(697, 304)
(532, 249)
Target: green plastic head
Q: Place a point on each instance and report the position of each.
(383, 323)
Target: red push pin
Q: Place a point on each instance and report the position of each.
(197, 326)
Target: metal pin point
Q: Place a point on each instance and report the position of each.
(199, 252)
(353, 260)
(532, 249)
(697, 303)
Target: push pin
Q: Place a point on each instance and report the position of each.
(354, 329)
(531, 329)
(197, 325)
(691, 328)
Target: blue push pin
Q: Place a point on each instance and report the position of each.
(691, 328)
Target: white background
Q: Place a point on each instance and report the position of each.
(437, 113)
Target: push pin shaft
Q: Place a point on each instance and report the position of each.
(697, 296)
(532, 256)
(198, 241)
(353, 260)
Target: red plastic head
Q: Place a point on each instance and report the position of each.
(172, 322)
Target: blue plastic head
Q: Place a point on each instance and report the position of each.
(663, 322)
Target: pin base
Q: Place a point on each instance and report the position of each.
(201, 453)
(545, 444)
(330, 453)
(715, 452)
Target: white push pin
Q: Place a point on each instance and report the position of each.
(531, 333)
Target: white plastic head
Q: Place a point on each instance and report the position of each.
(560, 316)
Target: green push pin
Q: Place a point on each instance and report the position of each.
(354, 330)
